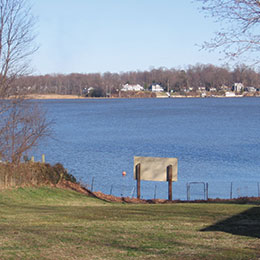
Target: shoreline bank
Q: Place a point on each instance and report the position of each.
(57, 96)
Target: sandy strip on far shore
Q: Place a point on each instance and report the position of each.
(53, 96)
(57, 96)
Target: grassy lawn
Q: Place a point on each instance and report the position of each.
(50, 223)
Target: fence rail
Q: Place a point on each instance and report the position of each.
(195, 190)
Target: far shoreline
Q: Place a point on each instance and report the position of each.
(76, 97)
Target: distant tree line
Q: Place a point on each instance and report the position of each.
(176, 80)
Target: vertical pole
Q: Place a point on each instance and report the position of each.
(169, 179)
(43, 158)
(207, 191)
(155, 189)
(231, 190)
(258, 189)
(32, 159)
(111, 189)
(133, 191)
(92, 184)
(188, 191)
(138, 179)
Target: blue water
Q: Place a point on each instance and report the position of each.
(215, 140)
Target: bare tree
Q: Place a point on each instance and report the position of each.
(21, 128)
(22, 124)
(16, 42)
(239, 35)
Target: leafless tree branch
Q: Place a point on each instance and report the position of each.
(22, 123)
(22, 126)
(239, 35)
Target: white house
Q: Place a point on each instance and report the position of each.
(225, 88)
(250, 89)
(238, 87)
(201, 89)
(156, 88)
(128, 87)
(90, 89)
(212, 89)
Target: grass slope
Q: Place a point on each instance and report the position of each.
(51, 223)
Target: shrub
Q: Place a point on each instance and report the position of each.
(31, 173)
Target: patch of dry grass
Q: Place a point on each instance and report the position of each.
(50, 223)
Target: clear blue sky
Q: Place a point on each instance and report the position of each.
(119, 35)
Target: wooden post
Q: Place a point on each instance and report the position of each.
(169, 179)
(43, 158)
(138, 179)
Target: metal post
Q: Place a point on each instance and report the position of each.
(231, 190)
(111, 189)
(258, 189)
(138, 179)
(155, 189)
(188, 191)
(207, 191)
(133, 191)
(92, 184)
(204, 190)
(169, 179)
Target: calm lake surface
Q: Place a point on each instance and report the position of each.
(215, 140)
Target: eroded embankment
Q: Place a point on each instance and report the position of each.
(110, 198)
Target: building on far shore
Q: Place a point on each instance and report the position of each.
(201, 89)
(212, 89)
(156, 88)
(250, 89)
(128, 87)
(225, 88)
(237, 87)
(89, 90)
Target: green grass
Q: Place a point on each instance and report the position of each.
(50, 223)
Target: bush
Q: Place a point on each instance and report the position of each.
(31, 173)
